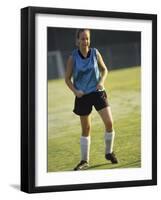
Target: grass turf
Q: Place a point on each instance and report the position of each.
(123, 89)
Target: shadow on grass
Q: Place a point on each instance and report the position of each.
(115, 166)
(99, 165)
(108, 165)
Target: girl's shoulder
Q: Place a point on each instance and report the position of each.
(74, 52)
(95, 51)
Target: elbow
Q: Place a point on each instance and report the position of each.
(67, 80)
(106, 70)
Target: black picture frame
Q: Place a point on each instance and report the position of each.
(28, 91)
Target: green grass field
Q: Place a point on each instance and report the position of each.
(123, 88)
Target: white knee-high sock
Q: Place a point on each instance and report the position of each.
(85, 147)
(109, 140)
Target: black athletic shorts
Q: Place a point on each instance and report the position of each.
(83, 105)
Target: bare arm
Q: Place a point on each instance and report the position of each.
(103, 71)
(68, 76)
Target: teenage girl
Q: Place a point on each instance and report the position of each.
(89, 72)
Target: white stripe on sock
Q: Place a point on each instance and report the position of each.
(109, 140)
(85, 147)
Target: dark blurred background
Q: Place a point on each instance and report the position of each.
(119, 49)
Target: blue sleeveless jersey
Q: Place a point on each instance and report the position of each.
(86, 73)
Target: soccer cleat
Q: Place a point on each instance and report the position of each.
(111, 157)
(82, 165)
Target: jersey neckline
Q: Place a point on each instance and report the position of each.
(88, 54)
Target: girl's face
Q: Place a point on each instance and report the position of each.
(84, 39)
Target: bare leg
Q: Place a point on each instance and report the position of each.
(86, 125)
(106, 116)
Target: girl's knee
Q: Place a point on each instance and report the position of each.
(109, 126)
(86, 131)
